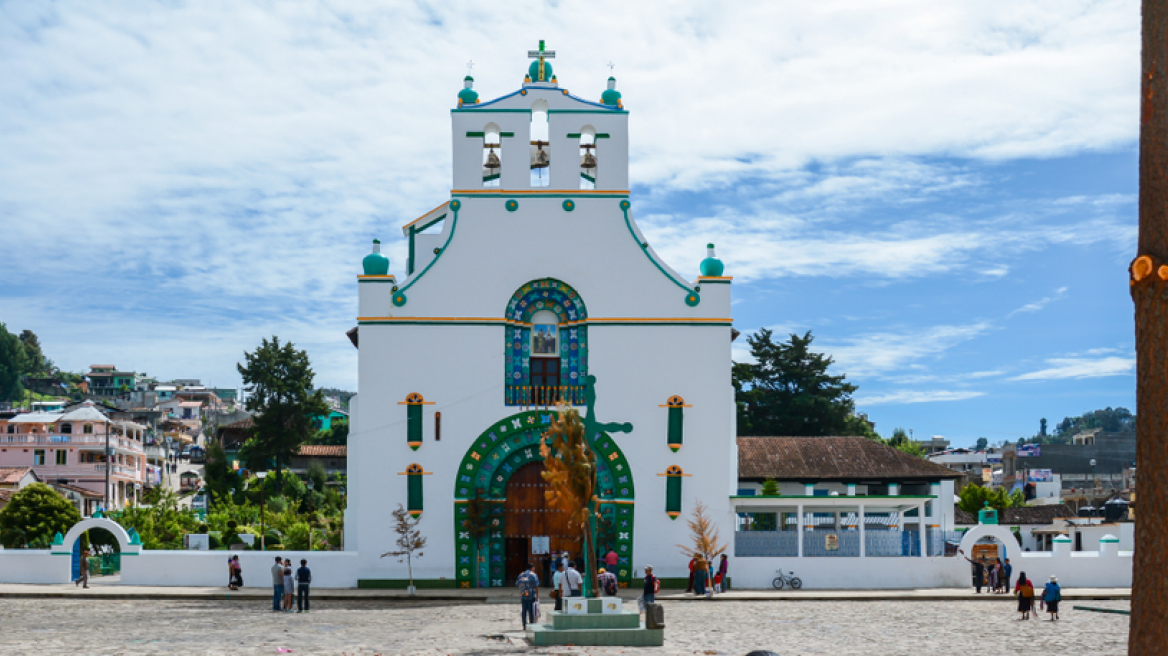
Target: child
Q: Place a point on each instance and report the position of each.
(289, 586)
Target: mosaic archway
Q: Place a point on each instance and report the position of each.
(561, 299)
(488, 465)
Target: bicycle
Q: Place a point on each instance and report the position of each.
(787, 579)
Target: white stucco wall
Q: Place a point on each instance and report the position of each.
(330, 569)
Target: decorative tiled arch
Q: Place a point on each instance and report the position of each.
(488, 464)
(560, 298)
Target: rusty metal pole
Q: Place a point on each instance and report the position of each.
(1149, 288)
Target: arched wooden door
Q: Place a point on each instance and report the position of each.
(526, 516)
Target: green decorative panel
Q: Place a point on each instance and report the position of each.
(673, 478)
(414, 426)
(676, 427)
(414, 503)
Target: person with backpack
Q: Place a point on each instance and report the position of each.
(608, 584)
(1052, 594)
(1025, 592)
(528, 584)
(649, 595)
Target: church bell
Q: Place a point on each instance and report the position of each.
(540, 159)
(492, 160)
(589, 161)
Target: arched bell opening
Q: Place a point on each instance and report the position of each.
(588, 157)
(541, 149)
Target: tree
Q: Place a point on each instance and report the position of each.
(279, 383)
(982, 443)
(34, 358)
(337, 434)
(13, 363)
(770, 488)
(409, 540)
(1042, 427)
(36, 514)
(974, 498)
(704, 535)
(1148, 631)
(570, 470)
(788, 391)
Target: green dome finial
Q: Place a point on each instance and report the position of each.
(711, 267)
(611, 96)
(468, 96)
(375, 264)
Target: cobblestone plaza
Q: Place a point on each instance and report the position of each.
(76, 625)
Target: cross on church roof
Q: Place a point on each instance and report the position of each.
(541, 54)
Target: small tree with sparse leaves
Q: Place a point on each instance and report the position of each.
(409, 540)
(704, 535)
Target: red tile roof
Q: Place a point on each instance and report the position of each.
(831, 458)
(12, 475)
(323, 451)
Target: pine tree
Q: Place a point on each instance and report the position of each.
(703, 532)
(279, 384)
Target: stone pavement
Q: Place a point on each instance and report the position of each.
(109, 589)
(137, 627)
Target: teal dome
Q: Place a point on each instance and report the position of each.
(611, 96)
(468, 96)
(376, 264)
(533, 71)
(711, 267)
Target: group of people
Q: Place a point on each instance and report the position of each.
(1052, 594)
(285, 584)
(995, 577)
(704, 582)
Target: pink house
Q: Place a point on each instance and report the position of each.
(69, 448)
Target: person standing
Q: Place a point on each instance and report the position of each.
(289, 585)
(557, 579)
(1052, 594)
(692, 562)
(277, 584)
(978, 570)
(303, 580)
(237, 569)
(1007, 573)
(649, 594)
(701, 576)
(230, 573)
(993, 578)
(528, 584)
(574, 582)
(611, 559)
(723, 583)
(83, 577)
(1025, 592)
(608, 583)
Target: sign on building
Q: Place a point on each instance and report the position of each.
(1040, 476)
(1028, 451)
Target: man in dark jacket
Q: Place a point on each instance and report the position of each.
(650, 592)
(303, 579)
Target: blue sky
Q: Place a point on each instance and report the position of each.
(944, 193)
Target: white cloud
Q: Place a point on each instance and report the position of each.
(1064, 368)
(1039, 304)
(876, 354)
(915, 396)
(230, 161)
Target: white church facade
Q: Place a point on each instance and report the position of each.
(529, 282)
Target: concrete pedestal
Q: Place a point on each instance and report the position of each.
(594, 628)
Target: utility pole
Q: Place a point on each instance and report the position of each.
(1149, 289)
(108, 456)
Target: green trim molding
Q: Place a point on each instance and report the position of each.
(599, 135)
(692, 298)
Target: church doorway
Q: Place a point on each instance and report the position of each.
(527, 519)
(501, 469)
